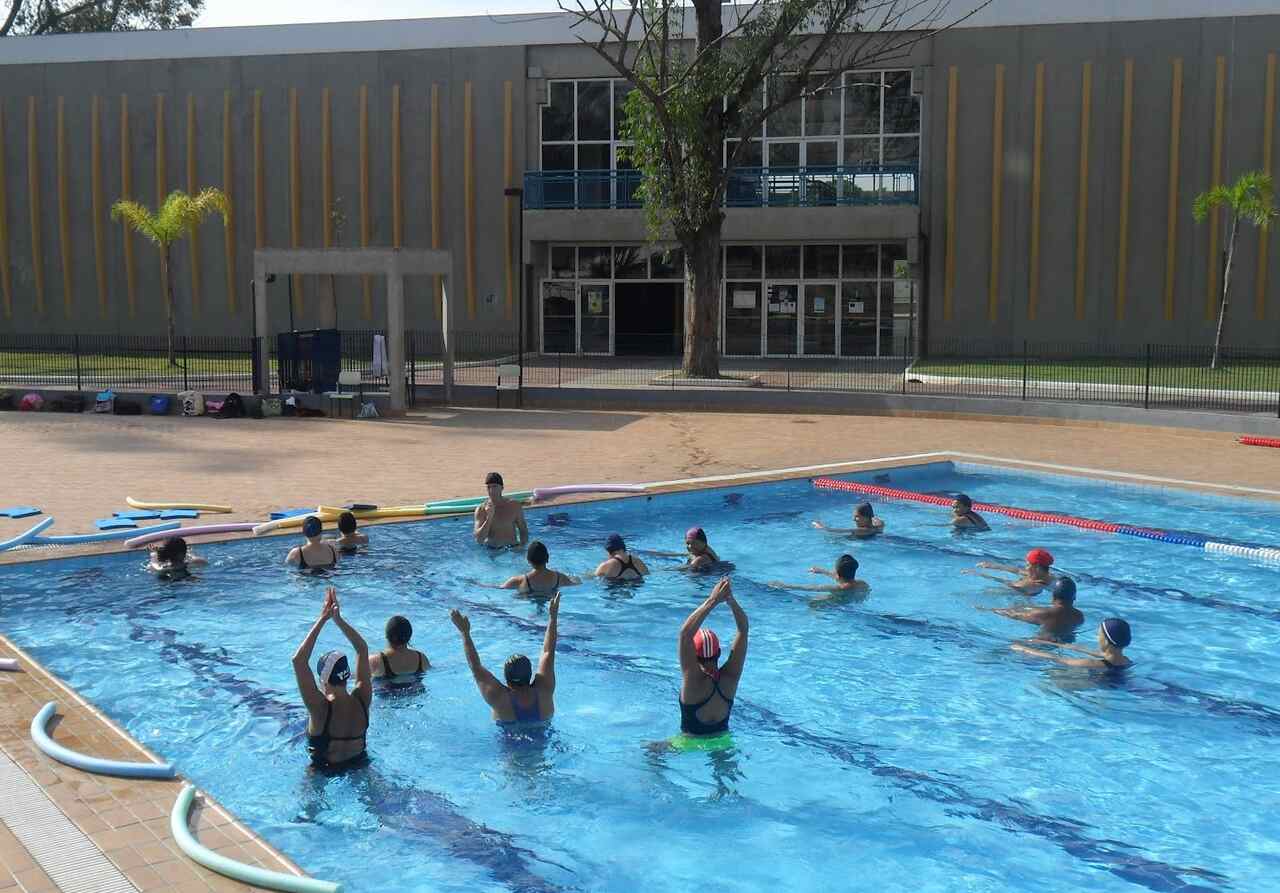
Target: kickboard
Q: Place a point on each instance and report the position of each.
(137, 515)
(291, 513)
(115, 523)
(690, 743)
(20, 511)
(172, 514)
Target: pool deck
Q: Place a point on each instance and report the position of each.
(78, 468)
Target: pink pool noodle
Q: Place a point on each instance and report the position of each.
(202, 530)
(543, 493)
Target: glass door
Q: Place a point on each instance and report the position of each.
(596, 302)
(559, 318)
(742, 316)
(819, 319)
(782, 315)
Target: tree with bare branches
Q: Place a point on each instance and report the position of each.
(698, 73)
(76, 16)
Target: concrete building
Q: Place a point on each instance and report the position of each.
(1030, 173)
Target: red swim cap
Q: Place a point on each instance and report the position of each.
(706, 644)
(1040, 557)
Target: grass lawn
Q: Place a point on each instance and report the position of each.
(1243, 375)
(52, 363)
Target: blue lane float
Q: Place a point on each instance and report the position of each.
(104, 536)
(23, 539)
(237, 871)
(86, 763)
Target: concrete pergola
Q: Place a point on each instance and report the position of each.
(394, 264)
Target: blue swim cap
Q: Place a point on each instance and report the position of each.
(1064, 590)
(614, 544)
(1117, 632)
(332, 668)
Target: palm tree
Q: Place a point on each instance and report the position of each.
(178, 216)
(1248, 198)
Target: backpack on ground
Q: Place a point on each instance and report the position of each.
(105, 401)
(232, 407)
(192, 402)
(159, 404)
(271, 407)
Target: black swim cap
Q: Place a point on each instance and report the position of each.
(174, 548)
(864, 510)
(537, 553)
(614, 544)
(964, 500)
(493, 478)
(846, 567)
(399, 630)
(332, 668)
(1117, 632)
(347, 522)
(518, 670)
(312, 526)
(1064, 590)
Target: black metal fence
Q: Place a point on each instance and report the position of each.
(1151, 376)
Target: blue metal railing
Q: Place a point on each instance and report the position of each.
(748, 187)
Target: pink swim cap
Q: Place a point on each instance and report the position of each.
(706, 644)
(695, 533)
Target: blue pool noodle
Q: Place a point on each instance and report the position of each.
(87, 763)
(24, 538)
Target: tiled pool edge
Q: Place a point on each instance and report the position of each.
(208, 814)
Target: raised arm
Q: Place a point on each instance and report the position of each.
(547, 663)
(688, 656)
(738, 653)
(311, 694)
(364, 673)
(490, 688)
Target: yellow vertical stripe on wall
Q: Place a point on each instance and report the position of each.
(397, 199)
(1037, 152)
(365, 281)
(1082, 207)
(997, 178)
(6, 288)
(64, 210)
(295, 191)
(126, 192)
(33, 200)
(162, 179)
(1126, 156)
(326, 168)
(1264, 235)
(949, 274)
(259, 177)
(509, 204)
(228, 187)
(435, 191)
(469, 184)
(1215, 179)
(1175, 153)
(98, 204)
(193, 187)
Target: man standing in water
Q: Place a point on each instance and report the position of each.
(1057, 621)
(525, 698)
(707, 690)
(499, 521)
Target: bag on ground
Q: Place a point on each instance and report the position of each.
(105, 401)
(192, 402)
(159, 404)
(232, 407)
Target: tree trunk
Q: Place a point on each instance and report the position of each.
(167, 282)
(702, 305)
(1226, 288)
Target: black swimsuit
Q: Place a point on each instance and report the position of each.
(529, 590)
(624, 566)
(302, 559)
(386, 666)
(691, 725)
(318, 745)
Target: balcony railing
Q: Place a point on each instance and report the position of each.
(748, 187)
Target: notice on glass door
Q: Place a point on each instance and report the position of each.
(595, 303)
(744, 299)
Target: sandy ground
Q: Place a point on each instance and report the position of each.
(78, 468)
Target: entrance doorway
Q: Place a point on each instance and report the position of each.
(648, 318)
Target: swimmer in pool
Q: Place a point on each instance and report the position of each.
(706, 689)
(963, 517)
(525, 698)
(701, 556)
(1114, 637)
(865, 524)
(398, 659)
(1033, 578)
(337, 720)
(1058, 619)
(170, 559)
(621, 564)
(844, 578)
(499, 521)
(315, 553)
(350, 539)
(539, 581)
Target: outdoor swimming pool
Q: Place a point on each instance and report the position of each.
(898, 741)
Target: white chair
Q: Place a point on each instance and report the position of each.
(508, 380)
(348, 378)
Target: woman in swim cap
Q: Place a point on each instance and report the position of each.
(963, 517)
(865, 524)
(845, 577)
(350, 539)
(539, 581)
(1032, 578)
(1114, 637)
(398, 659)
(315, 553)
(620, 565)
(337, 720)
(170, 559)
(525, 698)
(707, 690)
(701, 556)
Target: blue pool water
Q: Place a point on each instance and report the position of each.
(896, 741)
